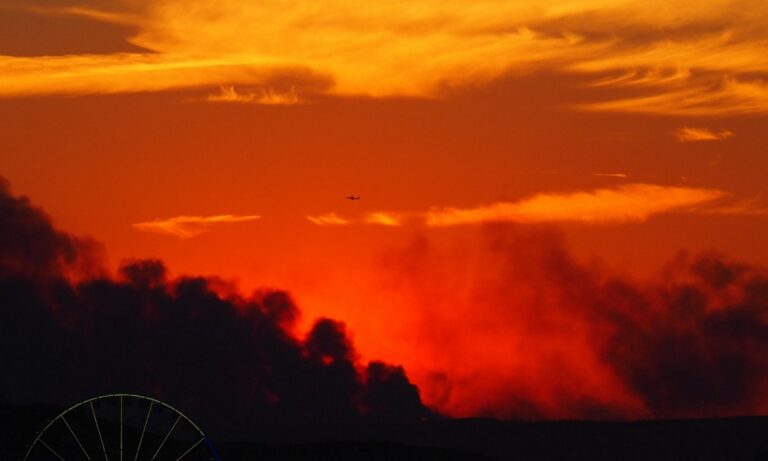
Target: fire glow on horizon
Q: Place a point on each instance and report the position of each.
(540, 189)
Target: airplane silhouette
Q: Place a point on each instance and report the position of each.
(353, 197)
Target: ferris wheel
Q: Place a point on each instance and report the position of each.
(121, 427)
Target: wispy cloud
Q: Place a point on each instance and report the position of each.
(702, 62)
(634, 202)
(384, 218)
(329, 219)
(381, 218)
(630, 202)
(612, 175)
(698, 98)
(688, 134)
(190, 226)
(754, 206)
(267, 96)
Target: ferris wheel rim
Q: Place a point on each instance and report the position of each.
(119, 395)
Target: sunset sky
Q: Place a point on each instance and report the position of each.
(508, 154)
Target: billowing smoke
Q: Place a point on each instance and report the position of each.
(696, 345)
(506, 325)
(231, 362)
(510, 325)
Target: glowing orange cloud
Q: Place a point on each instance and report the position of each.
(626, 203)
(631, 202)
(268, 96)
(190, 226)
(612, 175)
(745, 207)
(330, 219)
(381, 218)
(124, 73)
(696, 98)
(384, 218)
(687, 134)
(699, 62)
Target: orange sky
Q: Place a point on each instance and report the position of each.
(223, 138)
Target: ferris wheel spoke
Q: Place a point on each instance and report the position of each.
(118, 422)
(66, 423)
(101, 439)
(143, 430)
(121, 428)
(190, 449)
(166, 437)
(51, 450)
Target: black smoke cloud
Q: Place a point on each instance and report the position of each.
(515, 327)
(231, 362)
(696, 346)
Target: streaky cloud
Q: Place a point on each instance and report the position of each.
(633, 202)
(143, 72)
(267, 96)
(626, 203)
(754, 206)
(380, 218)
(702, 62)
(612, 175)
(384, 219)
(688, 134)
(729, 96)
(190, 226)
(329, 219)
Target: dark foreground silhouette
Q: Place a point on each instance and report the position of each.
(744, 438)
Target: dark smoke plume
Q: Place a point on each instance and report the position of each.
(229, 361)
(511, 327)
(696, 346)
